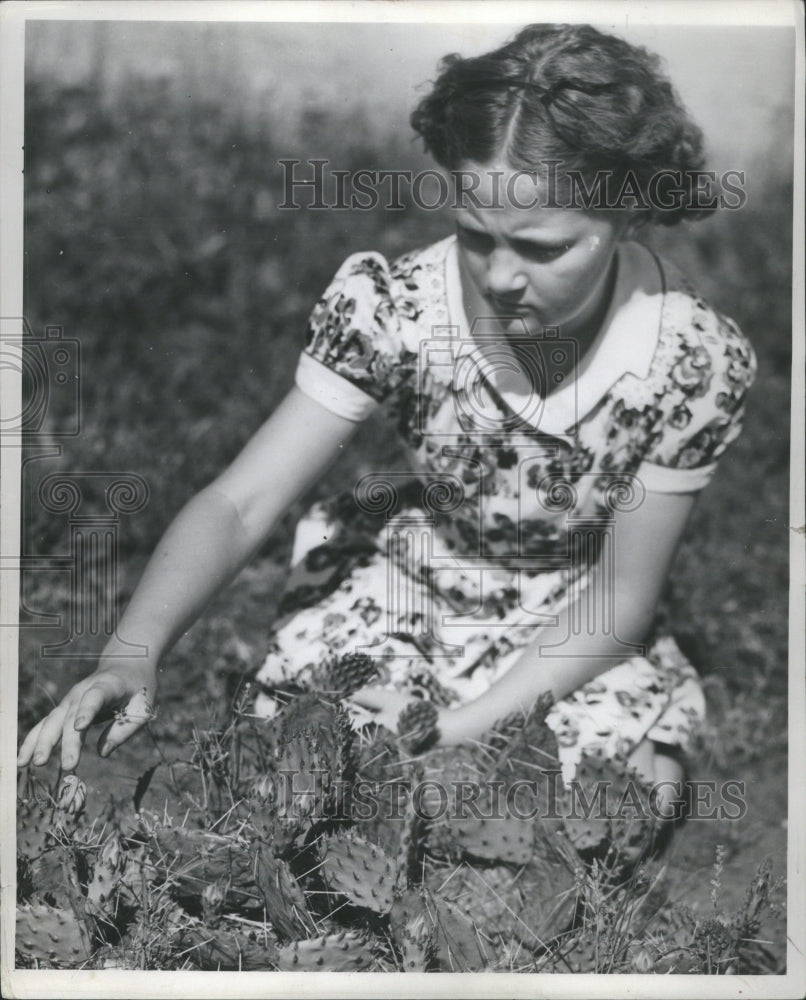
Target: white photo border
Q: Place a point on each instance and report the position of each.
(134, 984)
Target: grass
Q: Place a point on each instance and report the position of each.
(152, 235)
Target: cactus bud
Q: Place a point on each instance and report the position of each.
(111, 853)
(417, 726)
(71, 795)
(642, 962)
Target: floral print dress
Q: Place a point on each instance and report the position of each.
(448, 573)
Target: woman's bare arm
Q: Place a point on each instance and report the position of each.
(203, 549)
(645, 543)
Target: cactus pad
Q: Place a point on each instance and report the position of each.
(106, 877)
(508, 840)
(359, 870)
(459, 946)
(414, 930)
(344, 675)
(417, 726)
(347, 951)
(34, 827)
(283, 900)
(598, 816)
(308, 771)
(192, 859)
(50, 935)
(237, 947)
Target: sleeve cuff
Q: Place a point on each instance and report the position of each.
(662, 479)
(334, 392)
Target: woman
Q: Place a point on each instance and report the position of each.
(564, 397)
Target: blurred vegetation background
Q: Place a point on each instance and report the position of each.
(152, 234)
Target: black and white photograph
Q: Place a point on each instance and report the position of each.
(402, 533)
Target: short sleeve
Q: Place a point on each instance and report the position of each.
(352, 343)
(704, 405)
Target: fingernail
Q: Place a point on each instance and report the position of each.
(80, 722)
(39, 758)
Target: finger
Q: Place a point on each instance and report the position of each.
(371, 697)
(92, 702)
(72, 742)
(136, 714)
(27, 748)
(51, 733)
(387, 718)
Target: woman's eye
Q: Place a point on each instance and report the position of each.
(472, 239)
(539, 254)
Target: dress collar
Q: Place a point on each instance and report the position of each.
(625, 344)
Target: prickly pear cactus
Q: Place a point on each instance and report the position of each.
(106, 877)
(344, 675)
(236, 947)
(417, 726)
(42, 819)
(214, 898)
(378, 758)
(284, 901)
(508, 840)
(434, 934)
(347, 951)
(192, 859)
(308, 773)
(34, 827)
(531, 904)
(414, 931)
(413, 838)
(478, 824)
(601, 811)
(459, 944)
(71, 796)
(51, 936)
(359, 870)
(422, 882)
(313, 712)
(524, 741)
(310, 767)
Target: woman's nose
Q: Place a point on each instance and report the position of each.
(505, 275)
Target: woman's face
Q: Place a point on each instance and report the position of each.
(547, 267)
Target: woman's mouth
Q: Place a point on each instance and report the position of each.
(505, 307)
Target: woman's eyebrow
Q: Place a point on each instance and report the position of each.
(544, 241)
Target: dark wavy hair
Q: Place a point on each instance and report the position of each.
(568, 93)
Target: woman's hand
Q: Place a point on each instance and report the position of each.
(386, 704)
(127, 684)
(389, 704)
